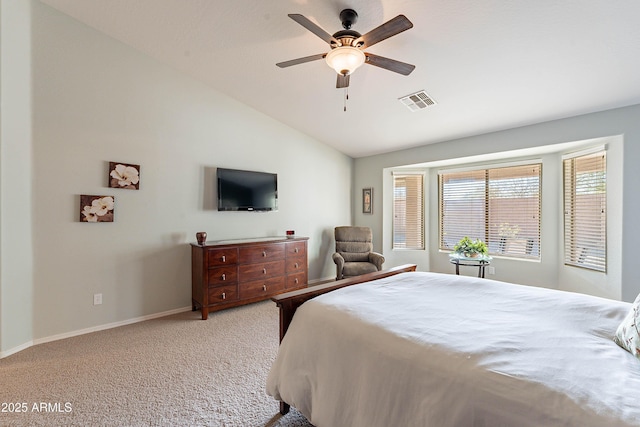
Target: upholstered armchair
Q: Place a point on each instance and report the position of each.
(354, 252)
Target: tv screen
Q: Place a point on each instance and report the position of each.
(240, 190)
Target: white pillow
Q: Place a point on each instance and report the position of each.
(628, 333)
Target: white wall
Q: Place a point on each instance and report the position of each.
(619, 123)
(96, 100)
(16, 246)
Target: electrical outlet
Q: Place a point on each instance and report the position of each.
(97, 299)
(491, 270)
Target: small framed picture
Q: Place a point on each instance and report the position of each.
(123, 175)
(367, 200)
(96, 208)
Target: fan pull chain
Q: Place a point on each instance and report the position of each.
(346, 97)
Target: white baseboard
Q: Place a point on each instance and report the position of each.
(57, 337)
(90, 330)
(323, 280)
(14, 350)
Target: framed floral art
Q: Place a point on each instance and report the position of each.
(123, 175)
(96, 208)
(367, 200)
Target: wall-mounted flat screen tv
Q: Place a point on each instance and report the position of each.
(240, 190)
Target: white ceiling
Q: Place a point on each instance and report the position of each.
(489, 64)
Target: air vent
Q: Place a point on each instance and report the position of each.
(417, 101)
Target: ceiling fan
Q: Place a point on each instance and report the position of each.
(347, 46)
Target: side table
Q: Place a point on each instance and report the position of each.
(481, 261)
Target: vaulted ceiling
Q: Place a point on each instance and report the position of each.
(488, 64)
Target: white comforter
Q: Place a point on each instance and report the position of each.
(427, 349)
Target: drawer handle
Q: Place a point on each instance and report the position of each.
(264, 253)
(264, 287)
(264, 271)
(296, 250)
(224, 276)
(296, 281)
(295, 265)
(224, 295)
(224, 258)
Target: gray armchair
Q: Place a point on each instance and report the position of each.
(354, 252)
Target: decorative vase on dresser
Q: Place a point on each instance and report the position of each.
(230, 273)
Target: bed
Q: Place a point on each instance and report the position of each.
(426, 349)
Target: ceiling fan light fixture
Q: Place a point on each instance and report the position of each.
(345, 59)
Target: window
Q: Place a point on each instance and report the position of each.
(408, 211)
(500, 206)
(585, 213)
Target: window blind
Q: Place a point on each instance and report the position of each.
(500, 206)
(408, 211)
(585, 203)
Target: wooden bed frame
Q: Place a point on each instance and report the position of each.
(290, 301)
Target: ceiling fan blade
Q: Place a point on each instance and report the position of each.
(315, 29)
(301, 60)
(389, 64)
(390, 28)
(343, 81)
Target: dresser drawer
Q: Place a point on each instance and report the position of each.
(222, 275)
(262, 270)
(295, 249)
(261, 253)
(218, 257)
(260, 288)
(221, 294)
(296, 280)
(295, 265)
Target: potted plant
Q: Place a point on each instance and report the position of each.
(470, 248)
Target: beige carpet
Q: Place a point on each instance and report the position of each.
(173, 371)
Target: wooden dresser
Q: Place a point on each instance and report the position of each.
(229, 273)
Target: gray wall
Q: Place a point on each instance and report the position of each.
(96, 100)
(621, 123)
(74, 99)
(16, 239)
